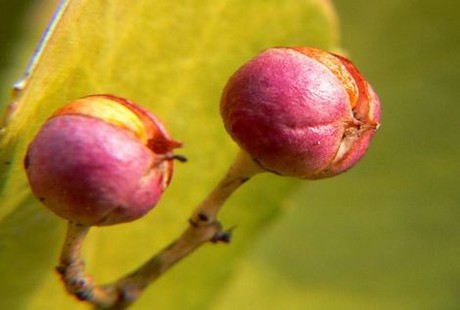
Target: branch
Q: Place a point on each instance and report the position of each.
(203, 227)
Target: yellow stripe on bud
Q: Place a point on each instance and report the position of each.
(109, 110)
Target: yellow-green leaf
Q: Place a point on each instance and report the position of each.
(173, 57)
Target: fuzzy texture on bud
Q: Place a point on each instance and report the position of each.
(100, 160)
(301, 112)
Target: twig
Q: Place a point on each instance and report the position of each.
(203, 227)
(72, 268)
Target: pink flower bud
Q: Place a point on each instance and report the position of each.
(301, 112)
(100, 160)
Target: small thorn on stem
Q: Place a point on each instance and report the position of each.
(199, 219)
(60, 269)
(224, 236)
(178, 157)
(203, 217)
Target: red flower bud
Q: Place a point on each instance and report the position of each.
(301, 112)
(100, 160)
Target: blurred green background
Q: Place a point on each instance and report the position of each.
(385, 235)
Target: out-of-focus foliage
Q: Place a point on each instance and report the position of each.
(386, 234)
(173, 57)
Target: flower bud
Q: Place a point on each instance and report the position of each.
(100, 160)
(301, 112)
